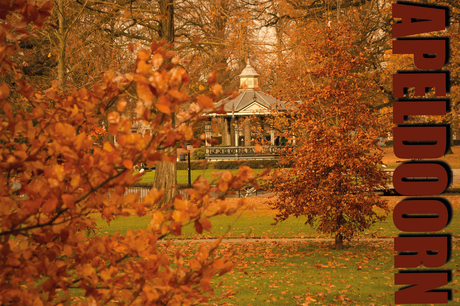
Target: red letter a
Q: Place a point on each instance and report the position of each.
(417, 19)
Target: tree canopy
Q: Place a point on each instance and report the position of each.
(336, 158)
(48, 238)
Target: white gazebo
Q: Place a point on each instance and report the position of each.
(237, 138)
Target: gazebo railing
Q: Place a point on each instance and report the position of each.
(249, 152)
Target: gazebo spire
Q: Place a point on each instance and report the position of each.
(249, 78)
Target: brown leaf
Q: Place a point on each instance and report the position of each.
(198, 227)
(212, 79)
(131, 47)
(4, 91)
(206, 224)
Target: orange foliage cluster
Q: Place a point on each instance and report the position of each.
(45, 249)
(98, 131)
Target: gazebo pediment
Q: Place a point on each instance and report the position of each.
(253, 109)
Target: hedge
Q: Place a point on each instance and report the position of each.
(194, 164)
(231, 164)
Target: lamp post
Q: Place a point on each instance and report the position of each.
(189, 148)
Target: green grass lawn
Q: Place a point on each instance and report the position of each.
(391, 161)
(311, 273)
(258, 224)
(300, 273)
(182, 175)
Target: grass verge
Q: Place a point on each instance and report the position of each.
(256, 222)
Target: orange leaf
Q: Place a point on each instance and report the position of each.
(144, 92)
(113, 117)
(194, 264)
(175, 94)
(205, 102)
(163, 108)
(223, 186)
(121, 105)
(157, 60)
(219, 264)
(227, 176)
(68, 200)
(128, 163)
(113, 129)
(143, 54)
(203, 254)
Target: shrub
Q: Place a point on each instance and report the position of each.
(199, 153)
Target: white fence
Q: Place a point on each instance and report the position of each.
(145, 190)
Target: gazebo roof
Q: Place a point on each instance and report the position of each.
(248, 71)
(250, 102)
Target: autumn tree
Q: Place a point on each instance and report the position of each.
(335, 160)
(67, 180)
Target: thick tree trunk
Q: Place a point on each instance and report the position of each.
(338, 242)
(166, 177)
(166, 172)
(449, 151)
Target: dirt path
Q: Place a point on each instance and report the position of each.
(252, 240)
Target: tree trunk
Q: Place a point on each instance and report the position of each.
(167, 20)
(166, 172)
(449, 151)
(338, 242)
(166, 177)
(62, 43)
(339, 236)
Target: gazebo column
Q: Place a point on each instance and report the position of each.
(232, 131)
(272, 135)
(236, 132)
(207, 131)
(247, 132)
(228, 139)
